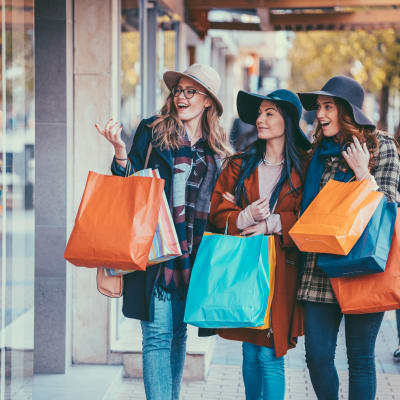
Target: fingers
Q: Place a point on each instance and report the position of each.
(99, 129)
(357, 144)
(108, 124)
(260, 201)
(229, 196)
(365, 148)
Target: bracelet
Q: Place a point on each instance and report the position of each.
(121, 159)
(365, 176)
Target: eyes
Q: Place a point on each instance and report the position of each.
(268, 113)
(325, 106)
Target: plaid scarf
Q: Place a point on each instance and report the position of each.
(194, 176)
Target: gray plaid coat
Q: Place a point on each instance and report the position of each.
(315, 285)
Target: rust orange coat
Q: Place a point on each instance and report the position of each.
(286, 313)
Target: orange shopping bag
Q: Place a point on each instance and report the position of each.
(116, 222)
(336, 218)
(374, 292)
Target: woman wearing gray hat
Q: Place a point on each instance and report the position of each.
(259, 192)
(346, 145)
(186, 143)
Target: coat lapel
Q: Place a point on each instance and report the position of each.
(166, 155)
(252, 188)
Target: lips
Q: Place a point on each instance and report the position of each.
(324, 124)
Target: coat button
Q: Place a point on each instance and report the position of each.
(156, 165)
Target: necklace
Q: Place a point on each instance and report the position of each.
(267, 162)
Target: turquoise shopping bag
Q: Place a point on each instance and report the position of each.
(229, 285)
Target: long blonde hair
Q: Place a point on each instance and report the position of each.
(168, 129)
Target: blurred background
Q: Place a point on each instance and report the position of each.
(66, 64)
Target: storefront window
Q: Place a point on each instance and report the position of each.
(130, 69)
(166, 53)
(17, 163)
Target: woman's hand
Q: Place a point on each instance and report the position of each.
(112, 132)
(357, 157)
(260, 209)
(257, 229)
(229, 197)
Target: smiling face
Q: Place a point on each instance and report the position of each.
(270, 123)
(328, 115)
(188, 109)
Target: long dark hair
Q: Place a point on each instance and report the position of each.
(256, 154)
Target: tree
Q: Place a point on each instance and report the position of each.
(372, 58)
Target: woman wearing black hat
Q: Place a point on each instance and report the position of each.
(347, 144)
(259, 192)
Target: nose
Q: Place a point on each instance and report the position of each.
(320, 113)
(181, 94)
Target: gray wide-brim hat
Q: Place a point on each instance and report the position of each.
(204, 75)
(249, 103)
(344, 88)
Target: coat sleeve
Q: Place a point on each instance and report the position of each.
(137, 152)
(387, 168)
(222, 210)
(288, 219)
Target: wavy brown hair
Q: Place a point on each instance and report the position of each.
(168, 129)
(348, 129)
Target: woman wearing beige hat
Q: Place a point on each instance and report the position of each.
(188, 144)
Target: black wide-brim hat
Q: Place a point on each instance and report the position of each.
(248, 105)
(343, 88)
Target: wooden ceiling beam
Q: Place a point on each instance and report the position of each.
(280, 4)
(371, 17)
(299, 22)
(236, 26)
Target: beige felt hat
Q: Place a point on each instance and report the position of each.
(204, 75)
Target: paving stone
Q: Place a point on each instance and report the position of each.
(225, 377)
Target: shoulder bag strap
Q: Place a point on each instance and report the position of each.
(149, 149)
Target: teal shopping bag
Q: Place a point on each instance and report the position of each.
(370, 253)
(229, 285)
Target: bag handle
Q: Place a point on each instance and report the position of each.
(226, 225)
(146, 162)
(149, 149)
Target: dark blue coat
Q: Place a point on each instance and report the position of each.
(138, 286)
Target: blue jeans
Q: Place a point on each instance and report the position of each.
(263, 373)
(398, 324)
(164, 349)
(321, 329)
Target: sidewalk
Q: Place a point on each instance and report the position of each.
(225, 381)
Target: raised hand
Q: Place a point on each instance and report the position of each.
(112, 132)
(357, 157)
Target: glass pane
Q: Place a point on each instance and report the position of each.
(16, 199)
(130, 69)
(166, 53)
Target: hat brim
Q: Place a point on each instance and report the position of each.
(309, 101)
(249, 103)
(171, 79)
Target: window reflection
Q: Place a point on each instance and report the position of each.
(16, 199)
(130, 70)
(166, 53)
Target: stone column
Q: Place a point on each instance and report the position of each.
(93, 97)
(51, 351)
